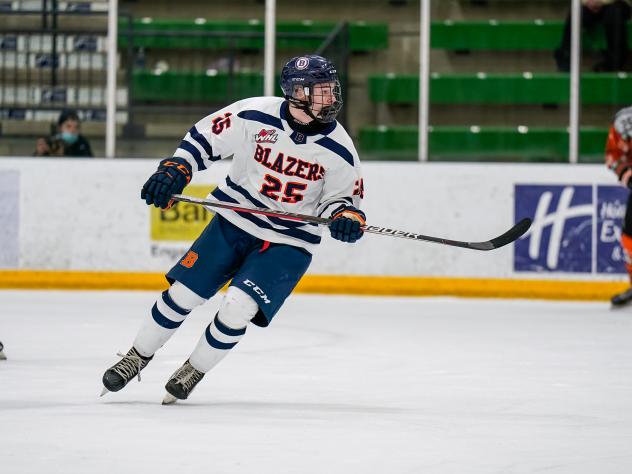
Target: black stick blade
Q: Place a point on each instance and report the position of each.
(510, 236)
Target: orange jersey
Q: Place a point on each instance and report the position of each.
(619, 155)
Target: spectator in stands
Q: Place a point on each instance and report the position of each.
(613, 15)
(68, 140)
(68, 127)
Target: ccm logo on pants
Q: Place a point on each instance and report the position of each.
(257, 290)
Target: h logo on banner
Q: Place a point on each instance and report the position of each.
(576, 228)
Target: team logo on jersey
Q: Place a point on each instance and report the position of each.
(266, 136)
(302, 63)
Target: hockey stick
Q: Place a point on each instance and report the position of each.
(512, 234)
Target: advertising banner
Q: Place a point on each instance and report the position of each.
(576, 228)
(91, 218)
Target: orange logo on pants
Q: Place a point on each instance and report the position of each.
(189, 259)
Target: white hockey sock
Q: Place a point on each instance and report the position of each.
(225, 331)
(167, 314)
(214, 345)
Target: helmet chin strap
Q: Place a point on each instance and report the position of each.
(305, 107)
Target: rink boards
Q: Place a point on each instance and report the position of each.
(81, 224)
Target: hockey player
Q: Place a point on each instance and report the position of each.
(288, 154)
(619, 159)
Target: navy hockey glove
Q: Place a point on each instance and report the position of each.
(346, 224)
(172, 176)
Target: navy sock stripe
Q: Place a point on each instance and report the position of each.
(162, 320)
(169, 302)
(221, 327)
(215, 343)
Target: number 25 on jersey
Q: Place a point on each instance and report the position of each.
(291, 193)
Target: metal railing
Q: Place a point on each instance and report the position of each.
(53, 59)
(231, 61)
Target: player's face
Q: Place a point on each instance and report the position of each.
(323, 96)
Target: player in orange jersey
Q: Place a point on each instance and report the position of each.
(619, 160)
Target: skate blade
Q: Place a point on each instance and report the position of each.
(169, 399)
(104, 391)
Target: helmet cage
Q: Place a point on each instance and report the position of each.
(327, 113)
(303, 73)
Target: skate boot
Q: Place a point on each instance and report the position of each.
(2, 356)
(182, 383)
(622, 299)
(117, 376)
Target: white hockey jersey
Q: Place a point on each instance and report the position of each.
(275, 167)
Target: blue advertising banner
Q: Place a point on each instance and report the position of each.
(576, 228)
(561, 237)
(611, 204)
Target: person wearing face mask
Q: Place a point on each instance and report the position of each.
(68, 137)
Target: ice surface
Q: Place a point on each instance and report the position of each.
(334, 385)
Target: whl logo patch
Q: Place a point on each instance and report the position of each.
(267, 136)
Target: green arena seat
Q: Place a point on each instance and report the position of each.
(480, 143)
(188, 87)
(497, 35)
(481, 88)
(363, 36)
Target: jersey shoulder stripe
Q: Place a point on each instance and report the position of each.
(203, 142)
(262, 117)
(194, 152)
(337, 148)
(192, 143)
(295, 233)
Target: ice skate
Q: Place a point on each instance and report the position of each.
(622, 299)
(182, 383)
(2, 355)
(117, 376)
